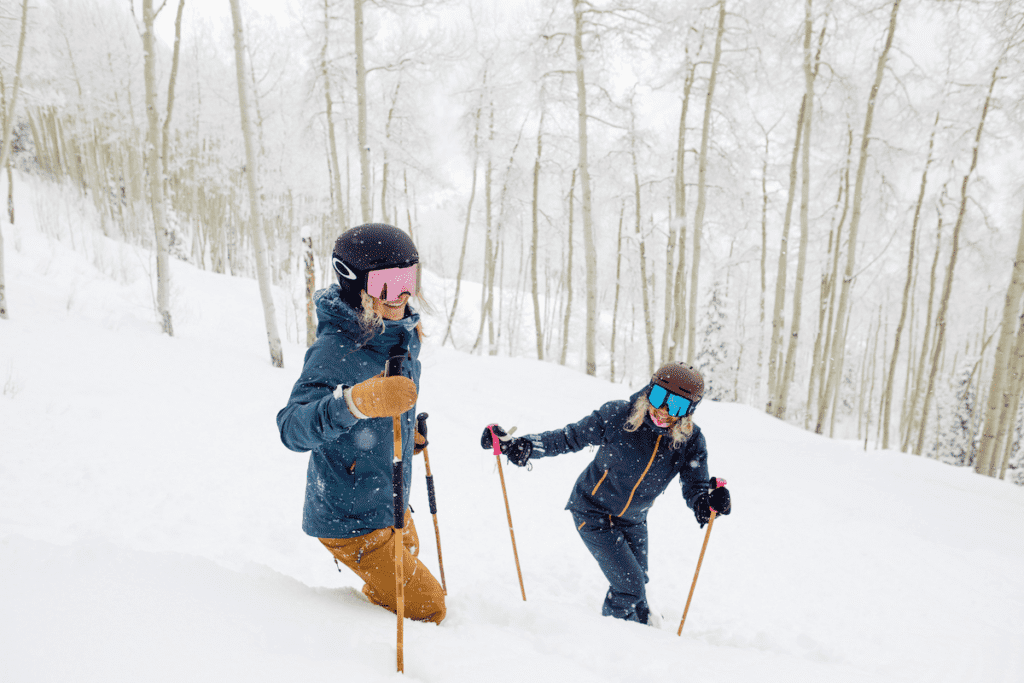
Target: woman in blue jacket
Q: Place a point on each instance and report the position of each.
(342, 409)
(642, 445)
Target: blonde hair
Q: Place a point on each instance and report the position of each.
(371, 322)
(679, 432)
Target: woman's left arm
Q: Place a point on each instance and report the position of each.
(693, 469)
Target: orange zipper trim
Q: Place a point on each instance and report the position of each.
(646, 469)
(599, 482)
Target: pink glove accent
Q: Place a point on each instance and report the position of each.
(494, 440)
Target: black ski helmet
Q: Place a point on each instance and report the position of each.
(364, 248)
(682, 379)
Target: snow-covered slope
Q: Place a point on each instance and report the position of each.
(149, 520)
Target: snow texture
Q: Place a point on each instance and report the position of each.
(150, 519)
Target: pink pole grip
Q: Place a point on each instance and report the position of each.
(494, 440)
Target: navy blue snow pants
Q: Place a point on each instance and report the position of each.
(620, 548)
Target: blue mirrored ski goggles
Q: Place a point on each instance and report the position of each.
(678, 406)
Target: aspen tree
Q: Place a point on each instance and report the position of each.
(251, 174)
(910, 408)
(156, 173)
(649, 327)
(839, 338)
(811, 65)
(679, 295)
(589, 246)
(947, 287)
(534, 238)
(465, 231)
(702, 170)
(778, 323)
(568, 281)
(618, 288)
(997, 417)
(364, 149)
(5, 144)
(891, 377)
(166, 136)
(337, 206)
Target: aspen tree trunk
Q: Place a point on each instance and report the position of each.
(649, 327)
(778, 323)
(702, 168)
(818, 362)
(156, 173)
(384, 163)
(764, 286)
(679, 296)
(891, 378)
(947, 287)
(911, 409)
(465, 231)
(364, 150)
(618, 288)
(487, 294)
(310, 271)
(589, 246)
(164, 153)
(568, 281)
(839, 338)
(534, 239)
(811, 65)
(337, 205)
(251, 174)
(1017, 387)
(5, 147)
(670, 252)
(997, 418)
(490, 248)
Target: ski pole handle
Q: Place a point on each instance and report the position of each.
(421, 427)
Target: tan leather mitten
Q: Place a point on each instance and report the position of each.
(384, 396)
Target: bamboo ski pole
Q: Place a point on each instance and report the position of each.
(700, 559)
(421, 427)
(394, 367)
(508, 510)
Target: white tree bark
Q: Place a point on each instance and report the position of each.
(589, 246)
(251, 175)
(5, 147)
(998, 420)
(155, 171)
(839, 338)
(364, 149)
(702, 168)
(947, 285)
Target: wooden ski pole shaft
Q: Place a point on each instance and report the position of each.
(421, 427)
(716, 482)
(508, 511)
(394, 367)
(693, 585)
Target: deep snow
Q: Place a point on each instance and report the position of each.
(149, 518)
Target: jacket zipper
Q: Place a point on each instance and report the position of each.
(644, 474)
(599, 482)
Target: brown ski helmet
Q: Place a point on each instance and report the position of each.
(682, 379)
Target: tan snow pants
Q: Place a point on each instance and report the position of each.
(372, 558)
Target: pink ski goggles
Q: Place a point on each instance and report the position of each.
(390, 283)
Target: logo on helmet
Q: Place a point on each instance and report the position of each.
(343, 270)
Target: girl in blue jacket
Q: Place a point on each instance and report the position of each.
(342, 410)
(642, 445)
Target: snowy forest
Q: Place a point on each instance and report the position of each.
(818, 204)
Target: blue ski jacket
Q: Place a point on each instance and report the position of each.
(349, 477)
(630, 469)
